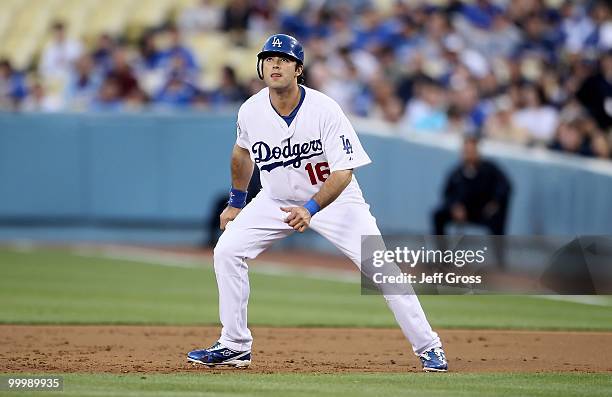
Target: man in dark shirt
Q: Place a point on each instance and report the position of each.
(476, 191)
(121, 72)
(595, 94)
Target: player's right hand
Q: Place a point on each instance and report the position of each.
(229, 214)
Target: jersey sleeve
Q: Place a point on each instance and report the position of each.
(341, 144)
(242, 138)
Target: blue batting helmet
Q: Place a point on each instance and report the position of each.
(281, 44)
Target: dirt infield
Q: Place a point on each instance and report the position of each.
(144, 349)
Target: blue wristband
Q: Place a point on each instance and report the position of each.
(312, 207)
(237, 198)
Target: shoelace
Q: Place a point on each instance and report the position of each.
(219, 346)
(440, 355)
(216, 346)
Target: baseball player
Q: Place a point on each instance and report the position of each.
(306, 150)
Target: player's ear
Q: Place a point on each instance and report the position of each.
(299, 70)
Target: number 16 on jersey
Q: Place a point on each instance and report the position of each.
(318, 172)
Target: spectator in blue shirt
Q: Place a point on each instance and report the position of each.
(177, 48)
(230, 91)
(12, 86)
(103, 52)
(83, 83)
(150, 55)
(108, 98)
(481, 13)
(176, 94)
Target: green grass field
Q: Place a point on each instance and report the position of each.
(366, 385)
(62, 287)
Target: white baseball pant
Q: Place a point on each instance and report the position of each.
(260, 224)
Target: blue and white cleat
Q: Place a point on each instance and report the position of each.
(434, 360)
(218, 354)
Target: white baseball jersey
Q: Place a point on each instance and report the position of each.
(295, 160)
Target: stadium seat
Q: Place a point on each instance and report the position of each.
(210, 48)
(211, 52)
(75, 14)
(25, 24)
(148, 13)
(108, 16)
(33, 18)
(244, 62)
(19, 49)
(291, 6)
(7, 10)
(5, 18)
(385, 6)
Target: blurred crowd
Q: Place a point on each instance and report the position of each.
(531, 72)
(115, 76)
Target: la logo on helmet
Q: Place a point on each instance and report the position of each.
(276, 42)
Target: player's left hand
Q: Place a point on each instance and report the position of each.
(298, 218)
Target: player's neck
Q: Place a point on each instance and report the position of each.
(285, 100)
